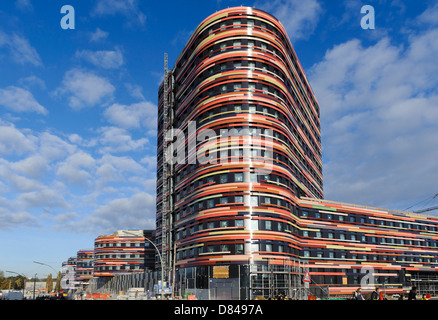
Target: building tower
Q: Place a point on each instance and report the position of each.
(238, 146)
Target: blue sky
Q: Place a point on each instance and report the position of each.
(78, 110)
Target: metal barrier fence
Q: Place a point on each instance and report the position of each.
(123, 282)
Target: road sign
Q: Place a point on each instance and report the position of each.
(306, 277)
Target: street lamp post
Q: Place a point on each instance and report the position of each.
(24, 281)
(34, 282)
(162, 266)
(47, 265)
(161, 262)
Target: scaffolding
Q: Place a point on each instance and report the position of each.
(167, 173)
(426, 283)
(271, 280)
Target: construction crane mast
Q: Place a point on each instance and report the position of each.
(166, 234)
(430, 208)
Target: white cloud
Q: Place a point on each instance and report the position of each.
(34, 166)
(14, 142)
(32, 81)
(299, 18)
(20, 100)
(19, 49)
(141, 114)
(53, 178)
(15, 181)
(109, 59)
(44, 197)
(85, 89)
(116, 140)
(10, 220)
(135, 91)
(23, 5)
(52, 147)
(379, 116)
(429, 16)
(75, 169)
(127, 8)
(98, 35)
(134, 212)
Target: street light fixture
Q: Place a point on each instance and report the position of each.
(45, 264)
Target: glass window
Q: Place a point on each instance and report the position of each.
(238, 199)
(268, 225)
(238, 177)
(224, 200)
(224, 178)
(237, 152)
(239, 223)
(237, 86)
(254, 200)
(224, 223)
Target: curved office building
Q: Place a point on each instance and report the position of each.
(125, 251)
(239, 189)
(245, 146)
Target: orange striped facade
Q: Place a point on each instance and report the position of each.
(239, 71)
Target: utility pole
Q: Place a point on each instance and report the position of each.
(34, 282)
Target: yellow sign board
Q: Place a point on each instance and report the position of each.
(221, 272)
